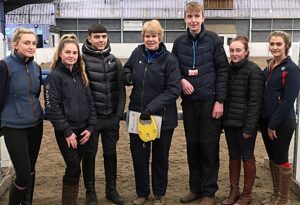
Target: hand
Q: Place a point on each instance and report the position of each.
(128, 79)
(246, 136)
(272, 134)
(86, 136)
(218, 110)
(145, 115)
(71, 140)
(187, 87)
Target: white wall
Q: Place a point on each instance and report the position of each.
(123, 50)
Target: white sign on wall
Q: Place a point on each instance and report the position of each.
(132, 25)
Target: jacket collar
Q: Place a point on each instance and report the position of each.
(153, 56)
(88, 49)
(19, 58)
(198, 36)
(238, 65)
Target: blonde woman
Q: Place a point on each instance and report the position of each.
(154, 73)
(69, 106)
(22, 115)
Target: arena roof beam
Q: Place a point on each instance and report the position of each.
(10, 5)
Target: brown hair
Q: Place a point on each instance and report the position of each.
(286, 38)
(194, 6)
(65, 39)
(153, 26)
(244, 40)
(17, 35)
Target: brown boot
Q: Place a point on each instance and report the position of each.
(70, 191)
(189, 197)
(234, 175)
(249, 177)
(275, 180)
(285, 179)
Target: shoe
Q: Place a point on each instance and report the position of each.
(208, 201)
(189, 197)
(139, 201)
(159, 200)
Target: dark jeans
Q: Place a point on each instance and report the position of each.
(238, 147)
(278, 149)
(73, 157)
(202, 134)
(140, 153)
(23, 146)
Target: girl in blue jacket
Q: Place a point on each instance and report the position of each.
(22, 115)
(282, 84)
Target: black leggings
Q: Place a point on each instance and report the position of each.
(278, 149)
(73, 157)
(23, 146)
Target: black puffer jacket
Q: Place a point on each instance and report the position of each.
(205, 53)
(245, 96)
(68, 103)
(105, 73)
(156, 84)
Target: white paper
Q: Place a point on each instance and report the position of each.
(132, 122)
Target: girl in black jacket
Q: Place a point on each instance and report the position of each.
(279, 117)
(241, 116)
(69, 106)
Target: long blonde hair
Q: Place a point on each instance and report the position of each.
(70, 38)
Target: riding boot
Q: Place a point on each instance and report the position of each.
(110, 166)
(70, 191)
(285, 179)
(28, 196)
(88, 170)
(234, 176)
(249, 178)
(16, 194)
(275, 180)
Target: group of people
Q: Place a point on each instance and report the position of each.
(85, 98)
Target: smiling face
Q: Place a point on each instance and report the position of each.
(151, 41)
(194, 21)
(277, 47)
(69, 54)
(237, 51)
(98, 40)
(26, 46)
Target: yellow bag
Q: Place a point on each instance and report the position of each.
(147, 129)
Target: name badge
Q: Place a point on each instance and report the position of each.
(193, 72)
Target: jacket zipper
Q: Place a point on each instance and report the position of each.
(30, 92)
(142, 98)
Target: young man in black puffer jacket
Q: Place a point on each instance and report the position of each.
(104, 71)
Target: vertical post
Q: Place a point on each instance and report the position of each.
(2, 17)
(250, 22)
(122, 23)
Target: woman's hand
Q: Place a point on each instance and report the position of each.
(71, 140)
(272, 134)
(246, 136)
(86, 136)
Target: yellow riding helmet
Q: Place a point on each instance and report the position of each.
(147, 129)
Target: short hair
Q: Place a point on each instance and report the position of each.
(96, 28)
(194, 6)
(286, 38)
(65, 39)
(244, 40)
(153, 26)
(18, 34)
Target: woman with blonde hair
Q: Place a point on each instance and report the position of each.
(154, 74)
(70, 108)
(21, 112)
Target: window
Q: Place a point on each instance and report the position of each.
(218, 4)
